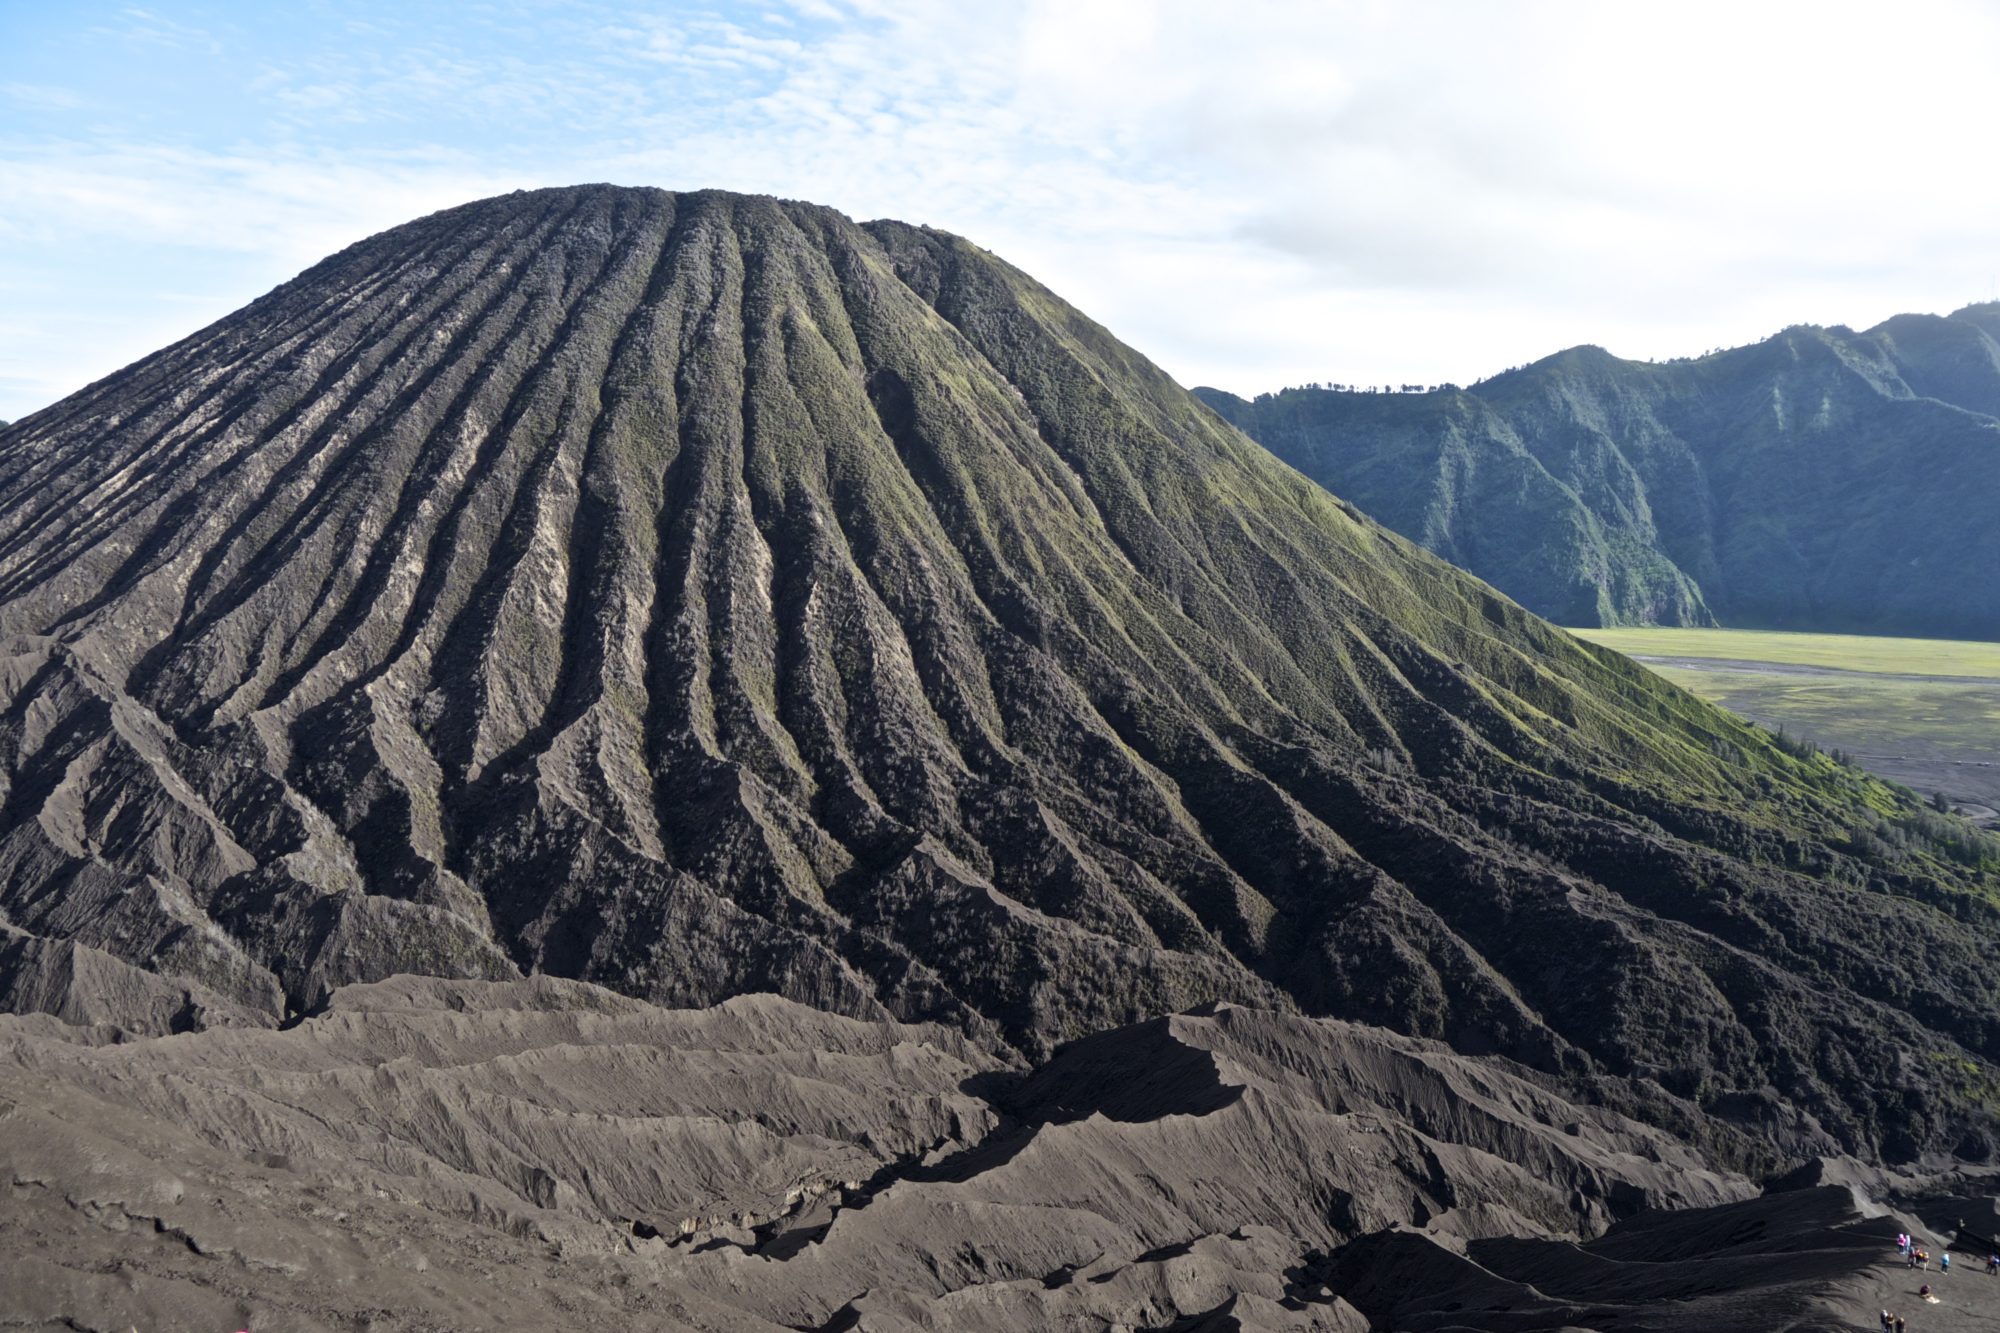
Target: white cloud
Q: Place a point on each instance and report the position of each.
(290, 209)
(1254, 194)
(151, 28)
(41, 96)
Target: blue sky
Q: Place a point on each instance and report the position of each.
(1252, 193)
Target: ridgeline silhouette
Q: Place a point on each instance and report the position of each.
(1820, 480)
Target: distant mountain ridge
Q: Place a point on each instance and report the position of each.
(1822, 479)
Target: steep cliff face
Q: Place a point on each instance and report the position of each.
(1820, 480)
(700, 594)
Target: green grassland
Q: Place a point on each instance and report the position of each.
(1835, 652)
(1922, 712)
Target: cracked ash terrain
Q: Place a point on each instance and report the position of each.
(624, 759)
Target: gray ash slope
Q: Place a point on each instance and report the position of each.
(756, 1165)
(699, 594)
(431, 1154)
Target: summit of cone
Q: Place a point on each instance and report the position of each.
(699, 594)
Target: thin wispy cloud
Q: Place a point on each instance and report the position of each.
(1349, 191)
(41, 96)
(151, 27)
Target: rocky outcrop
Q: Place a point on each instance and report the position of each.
(87, 987)
(1818, 1258)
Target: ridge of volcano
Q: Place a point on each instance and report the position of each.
(1821, 479)
(704, 594)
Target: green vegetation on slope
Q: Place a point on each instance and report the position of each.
(1820, 480)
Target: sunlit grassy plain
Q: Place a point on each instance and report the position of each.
(1839, 652)
(1879, 699)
